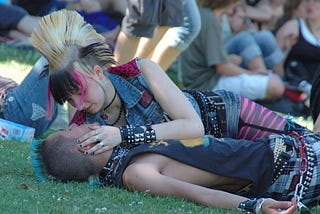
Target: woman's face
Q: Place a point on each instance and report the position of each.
(237, 19)
(312, 9)
(94, 95)
(300, 12)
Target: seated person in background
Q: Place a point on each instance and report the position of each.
(222, 172)
(27, 103)
(41, 7)
(147, 30)
(299, 43)
(258, 50)
(205, 64)
(299, 39)
(16, 23)
(102, 16)
(293, 9)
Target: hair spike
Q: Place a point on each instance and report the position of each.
(37, 162)
(58, 35)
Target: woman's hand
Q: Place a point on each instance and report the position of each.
(271, 206)
(104, 138)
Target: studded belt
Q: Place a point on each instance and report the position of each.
(213, 112)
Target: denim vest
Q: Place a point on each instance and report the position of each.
(140, 106)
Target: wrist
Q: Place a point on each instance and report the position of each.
(259, 204)
(252, 205)
(248, 206)
(136, 135)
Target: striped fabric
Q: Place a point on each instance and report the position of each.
(257, 121)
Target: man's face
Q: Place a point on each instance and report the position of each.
(73, 131)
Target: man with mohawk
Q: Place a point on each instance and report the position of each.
(25, 103)
(213, 172)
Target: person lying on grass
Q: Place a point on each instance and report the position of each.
(26, 103)
(213, 172)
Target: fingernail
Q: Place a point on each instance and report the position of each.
(86, 152)
(78, 141)
(80, 145)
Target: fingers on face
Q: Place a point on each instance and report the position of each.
(97, 149)
(89, 138)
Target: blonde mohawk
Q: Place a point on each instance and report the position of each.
(58, 35)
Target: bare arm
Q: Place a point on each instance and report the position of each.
(185, 121)
(145, 177)
(287, 36)
(231, 69)
(257, 14)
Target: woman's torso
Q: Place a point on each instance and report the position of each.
(306, 51)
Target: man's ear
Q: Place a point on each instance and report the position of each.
(98, 71)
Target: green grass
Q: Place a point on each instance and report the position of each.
(20, 192)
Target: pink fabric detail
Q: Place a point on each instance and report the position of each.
(77, 77)
(255, 114)
(79, 118)
(252, 106)
(127, 70)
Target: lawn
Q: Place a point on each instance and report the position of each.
(20, 192)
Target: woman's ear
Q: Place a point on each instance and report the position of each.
(98, 71)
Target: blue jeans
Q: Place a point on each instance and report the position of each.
(252, 44)
(27, 103)
(181, 37)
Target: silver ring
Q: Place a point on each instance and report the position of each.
(101, 144)
(97, 137)
(96, 132)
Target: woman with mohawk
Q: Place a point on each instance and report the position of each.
(137, 102)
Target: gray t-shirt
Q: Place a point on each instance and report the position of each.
(207, 50)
